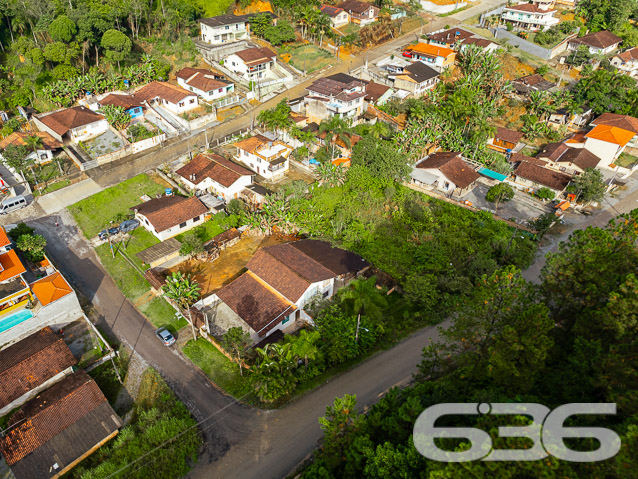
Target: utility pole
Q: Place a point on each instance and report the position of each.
(356, 334)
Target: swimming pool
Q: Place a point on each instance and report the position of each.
(15, 319)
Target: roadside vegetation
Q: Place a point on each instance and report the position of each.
(569, 339)
(161, 441)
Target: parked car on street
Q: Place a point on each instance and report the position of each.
(104, 234)
(128, 226)
(407, 54)
(165, 336)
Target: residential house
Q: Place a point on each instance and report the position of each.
(417, 78)
(253, 63)
(211, 173)
(607, 142)
(31, 366)
(336, 95)
(528, 16)
(43, 153)
(599, 43)
(338, 16)
(361, 13)
(485, 45)
(174, 98)
(280, 283)
(625, 122)
(75, 124)
(449, 38)
(168, 216)
(130, 103)
(530, 83)
(445, 171)
(342, 149)
(433, 55)
(53, 432)
(227, 28)
(204, 83)
(531, 177)
(544, 4)
(32, 296)
(377, 94)
(627, 62)
(515, 158)
(576, 119)
(505, 140)
(269, 158)
(570, 160)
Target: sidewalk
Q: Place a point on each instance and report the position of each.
(53, 202)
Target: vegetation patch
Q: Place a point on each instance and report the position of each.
(310, 58)
(94, 213)
(161, 441)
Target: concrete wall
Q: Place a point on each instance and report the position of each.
(433, 7)
(91, 130)
(215, 53)
(131, 149)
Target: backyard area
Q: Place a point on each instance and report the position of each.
(310, 58)
(107, 142)
(627, 160)
(213, 276)
(50, 176)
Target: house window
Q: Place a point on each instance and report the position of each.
(183, 225)
(195, 219)
(192, 101)
(227, 27)
(325, 294)
(180, 104)
(220, 90)
(285, 320)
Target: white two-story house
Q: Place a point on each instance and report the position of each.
(228, 28)
(211, 173)
(528, 16)
(280, 283)
(627, 62)
(268, 158)
(252, 64)
(204, 83)
(338, 95)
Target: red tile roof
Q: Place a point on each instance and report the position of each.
(543, 176)
(164, 90)
(48, 414)
(510, 136)
(168, 211)
(124, 101)
(19, 137)
(625, 122)
(450, 36)
(201, 79)
(31, 362)
(611, 134)
(629, 55)
(64, 120)
(603, 39)
(529, 8)
(518, 157)
(215, 167)
(258, 304)
(452, 166)
(330, 10)
(256, 56)
(4, 239)
(356, 6)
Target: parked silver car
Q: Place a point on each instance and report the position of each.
(165, 336)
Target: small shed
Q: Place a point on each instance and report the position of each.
(160, 253)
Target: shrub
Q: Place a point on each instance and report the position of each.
(21, 229)
(545, 193)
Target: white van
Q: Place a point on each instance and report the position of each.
(12, 204)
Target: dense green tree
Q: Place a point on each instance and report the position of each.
(117, 45)
(380, 158)
(192, 243)
(606, 14)
(501, 331)
(236, 342)
(543, 223)
(500, 193)
(273, 374)
(283, 32)
(338, 425)
(62, 29)
(32, 246)
(15, 156)
(184, 291)
(588, 186)
(606, 91)
(116, 116)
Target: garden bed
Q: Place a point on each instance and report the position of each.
(106, 143)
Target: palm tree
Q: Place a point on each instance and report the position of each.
(538, 102)
(184, 291)
(304, 345)
(335, 129)
(363, 297)
(322, 25)
(380, 130)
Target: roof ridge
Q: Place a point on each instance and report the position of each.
(269, 287)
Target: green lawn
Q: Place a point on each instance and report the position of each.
(210, 229)
(350, 28)
(311, 58)
(94, 213)
(139, 240)
(626, 160)
(162, 314)
(52, 187)
(218, 367)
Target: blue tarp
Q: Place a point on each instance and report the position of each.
(492, 174)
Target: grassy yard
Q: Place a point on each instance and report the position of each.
(94, 213)
(311, 58)
(218, 367)
(626, 160)
(350, 28)
(58, 185)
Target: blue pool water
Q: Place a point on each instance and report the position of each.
(15, 319)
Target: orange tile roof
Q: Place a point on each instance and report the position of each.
(11, 265)
(51, 288)
(4, 239)
(611, 134)
(433, 50)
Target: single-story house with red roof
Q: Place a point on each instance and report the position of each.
(171, 215)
